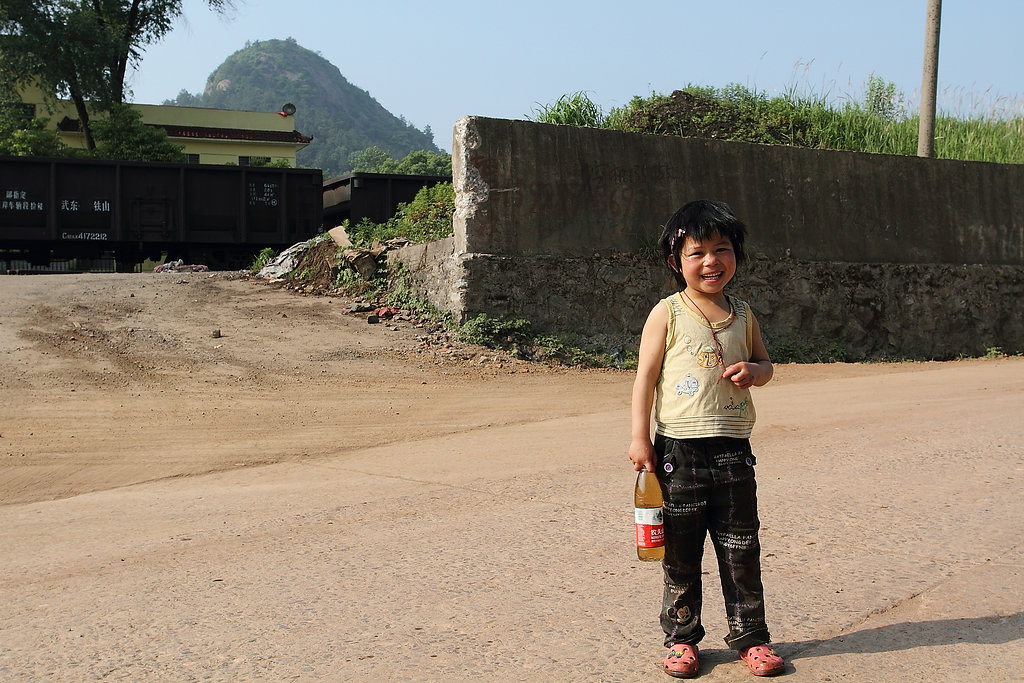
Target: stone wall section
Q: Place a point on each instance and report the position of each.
(883, 256)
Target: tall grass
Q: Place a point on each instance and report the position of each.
(854, 129)
(878, 121)
(574, 109)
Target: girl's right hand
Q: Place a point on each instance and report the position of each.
(641, 454)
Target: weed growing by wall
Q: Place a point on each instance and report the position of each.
(517, 336)
(401, 290)
(576, 109)
(266, 255)
(803, 351)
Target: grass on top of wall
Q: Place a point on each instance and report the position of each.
(879, 121)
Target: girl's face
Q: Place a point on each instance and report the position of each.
(708, 265)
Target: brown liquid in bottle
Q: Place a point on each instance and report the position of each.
(650, 527)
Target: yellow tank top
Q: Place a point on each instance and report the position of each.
(691, 402)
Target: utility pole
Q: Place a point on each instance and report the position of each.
(929, 81)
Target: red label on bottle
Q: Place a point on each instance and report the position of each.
(650, 527)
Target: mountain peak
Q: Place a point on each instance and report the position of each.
(342, 118)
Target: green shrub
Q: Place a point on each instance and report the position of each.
(22, 136)
(122, 135)
(571, 350)
(426, 218)
(809, 351)
(517, 336)
(496, 333)
(352, 283)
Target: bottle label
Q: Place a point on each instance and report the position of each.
(650, 527)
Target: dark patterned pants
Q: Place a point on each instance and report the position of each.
(709, 487)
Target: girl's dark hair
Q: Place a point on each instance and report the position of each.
(700, 219)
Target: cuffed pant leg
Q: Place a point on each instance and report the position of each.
(734, 525)
(685, 487)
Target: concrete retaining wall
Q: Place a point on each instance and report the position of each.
(880, 255)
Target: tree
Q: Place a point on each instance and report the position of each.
(370, 160)
(21, 134)
(82, 49)
(417, 162)
(420, 162)
(123, 135)
(184, 99)
(50, 46)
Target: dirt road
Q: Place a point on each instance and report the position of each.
(110, 380)
(304, 496)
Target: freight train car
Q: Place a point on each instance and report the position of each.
(220, 216)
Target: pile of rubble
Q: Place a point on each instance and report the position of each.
(319, 261)
(180, 266)
(325, 254)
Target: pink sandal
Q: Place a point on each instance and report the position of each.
(762, 660)
(681, 661)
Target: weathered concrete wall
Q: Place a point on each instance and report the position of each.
(881, 255)
(528, 188)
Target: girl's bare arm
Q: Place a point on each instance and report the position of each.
(648, 369)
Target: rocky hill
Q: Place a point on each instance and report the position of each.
(342, 118)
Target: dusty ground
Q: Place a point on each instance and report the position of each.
(110, 380)
(305, 496)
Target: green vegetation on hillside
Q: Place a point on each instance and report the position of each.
(879, 124)
(342, 118)
(420, 162)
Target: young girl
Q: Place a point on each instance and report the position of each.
(700, 353)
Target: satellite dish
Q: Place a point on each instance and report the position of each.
(288, 109)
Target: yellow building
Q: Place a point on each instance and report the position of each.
(209, 136)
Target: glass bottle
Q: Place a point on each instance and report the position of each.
(650, 521)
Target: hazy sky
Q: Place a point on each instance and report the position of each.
(435, 62)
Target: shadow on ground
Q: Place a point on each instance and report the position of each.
(892, 638)
(908, 635)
